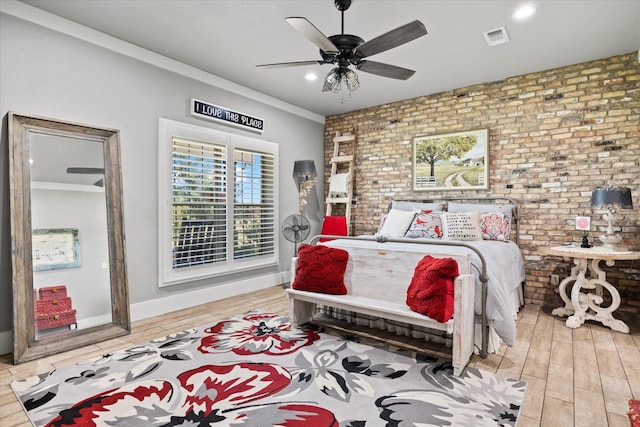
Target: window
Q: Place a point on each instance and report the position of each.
(217, 203)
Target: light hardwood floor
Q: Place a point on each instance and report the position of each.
(581, 377)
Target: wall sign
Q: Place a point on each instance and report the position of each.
(214, 112)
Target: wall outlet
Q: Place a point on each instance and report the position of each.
(555, 279)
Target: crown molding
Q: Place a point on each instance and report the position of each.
(48, 20)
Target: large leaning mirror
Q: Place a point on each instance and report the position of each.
(69, 272)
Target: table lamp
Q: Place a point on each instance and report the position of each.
(304, 174)
(611, 199)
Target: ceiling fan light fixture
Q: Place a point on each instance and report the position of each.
(351, 80)
(338, 76)
(332, 82)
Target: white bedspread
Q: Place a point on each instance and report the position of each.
(505, 271)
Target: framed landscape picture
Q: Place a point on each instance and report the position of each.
(55, 249)
(452, 161)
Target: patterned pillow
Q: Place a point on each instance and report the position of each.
(461, 226)
(321, 269)
(484, 208)
(426, 224)
(495, 226)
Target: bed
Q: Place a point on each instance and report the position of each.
(494, 259)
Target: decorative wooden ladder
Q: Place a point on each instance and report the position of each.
(341, 179)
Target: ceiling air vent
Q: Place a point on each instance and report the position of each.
(497, 36)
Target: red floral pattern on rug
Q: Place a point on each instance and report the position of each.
(211, 394)
(256, 333)
(256, 370)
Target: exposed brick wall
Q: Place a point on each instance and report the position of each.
(553, 136)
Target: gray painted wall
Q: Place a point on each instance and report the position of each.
(51, 74)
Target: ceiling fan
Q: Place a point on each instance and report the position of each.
(344, 50)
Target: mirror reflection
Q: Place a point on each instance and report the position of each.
(67, 240)
(69, 227)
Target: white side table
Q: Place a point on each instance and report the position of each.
(586, 292)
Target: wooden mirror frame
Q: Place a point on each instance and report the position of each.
(25, 345)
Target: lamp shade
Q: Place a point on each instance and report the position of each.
(611, 197)
(304, 170)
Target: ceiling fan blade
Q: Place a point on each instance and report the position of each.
(313, 34)
(87, 171)
(385, 70)
(393, 38)
(290, 64)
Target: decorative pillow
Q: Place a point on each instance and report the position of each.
(321, 269)
(431, 289)
(426, 224)
(397, 223)
(495, 226)
(461, 226)
(483, 208)
(416, 206)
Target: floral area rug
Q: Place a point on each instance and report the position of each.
(256, 369)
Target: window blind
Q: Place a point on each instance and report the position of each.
(254, 204)
(199, 203)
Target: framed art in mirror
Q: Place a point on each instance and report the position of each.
(66, 188)
(55, 249)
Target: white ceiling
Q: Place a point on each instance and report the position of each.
(229, 37)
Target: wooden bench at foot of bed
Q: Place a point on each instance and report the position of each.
(377, 283)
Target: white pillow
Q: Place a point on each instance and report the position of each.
(461, 226)
(397, 223)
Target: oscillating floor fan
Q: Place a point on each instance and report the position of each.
(295, 228)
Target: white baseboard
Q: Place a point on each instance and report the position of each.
(184, 300)
(156, 307)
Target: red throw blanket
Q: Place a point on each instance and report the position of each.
(431, 289)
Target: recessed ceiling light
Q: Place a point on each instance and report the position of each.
(524, 12)
(311, 76)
